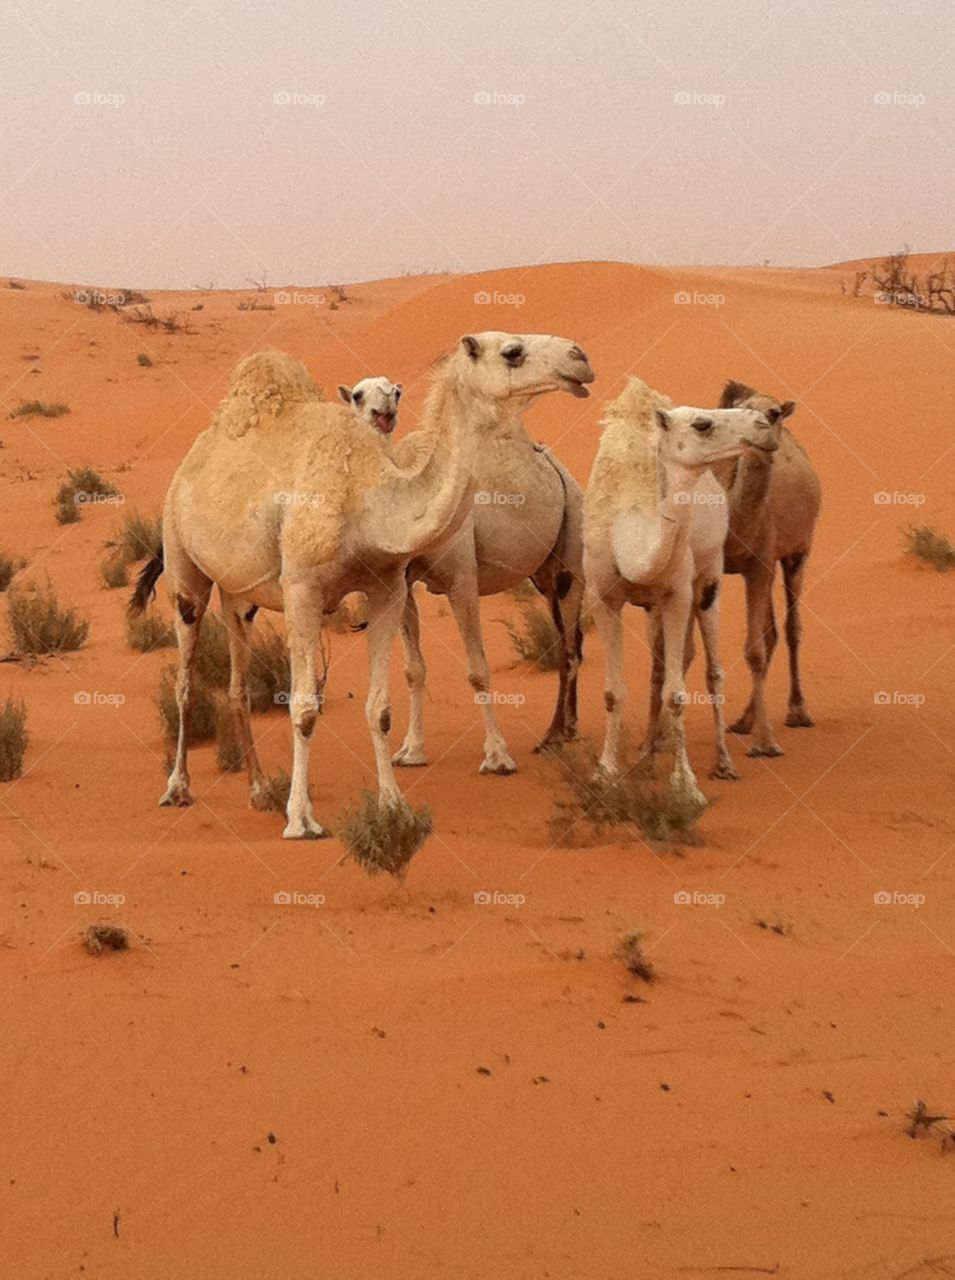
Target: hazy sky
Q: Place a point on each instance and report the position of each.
(176, 143)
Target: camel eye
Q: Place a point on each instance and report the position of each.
(358, 396)
(703, 426)
(397, 394)
(514, 354)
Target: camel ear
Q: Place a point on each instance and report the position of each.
(788, 409)
(344, 392)
(398, 390)
(735, 393)
(471, 345)
(663, 419)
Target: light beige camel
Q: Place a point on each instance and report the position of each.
(525, 522)
(654, 524)
(283, 505)
(374, 401)
(774, 505)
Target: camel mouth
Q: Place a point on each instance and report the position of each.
(574, 386)
(764, 446)
(384, 422)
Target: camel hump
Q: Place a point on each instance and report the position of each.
(265, 386)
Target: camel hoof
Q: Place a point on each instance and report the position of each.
(770, 750)
(409, 758)
(500, 765)
(259, 798)
(799, 718)
(304, 829)
(741, 726)
(177, 797)
(725, 773)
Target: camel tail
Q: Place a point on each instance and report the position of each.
(149, 575)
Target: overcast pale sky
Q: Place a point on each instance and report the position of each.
(176, 143)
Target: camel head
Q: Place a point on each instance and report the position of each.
(375, 402)
(696, 439)
(737, 395)
(507, 366)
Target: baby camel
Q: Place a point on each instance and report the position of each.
(374, 401)
(654, 524)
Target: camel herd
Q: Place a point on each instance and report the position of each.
(290, 502)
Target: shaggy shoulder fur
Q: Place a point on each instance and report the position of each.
(624, 476)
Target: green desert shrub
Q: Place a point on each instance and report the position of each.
(114, 573)
(630, 951)
(147, 632)
(8, 570)
(535, 638)
(13, 739)
(139, 538)
(39, 409)
(202, 716)
(384, 837)
(39, 626)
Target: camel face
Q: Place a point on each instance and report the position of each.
(737, 395)
(506, 366)
(698, 438)
(375, 402)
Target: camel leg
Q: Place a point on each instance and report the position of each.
(190, 590)
(609, 623)
(653, 741)
(794, 567)
(761, 636)
(676, 611)
(303, 614)
(238, 616)
(463, 597)
(411, 751)
(565, 593)
(708, 617)
(386, 604)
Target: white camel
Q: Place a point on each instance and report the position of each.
(654, 527)
(283, 505)
(375, 402)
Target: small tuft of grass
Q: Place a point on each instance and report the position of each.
(202, 718)
(922, 1120)
(630, 952)
(114, 573)
(104, 936)
(39, 626)
(149, 632)
(169, 323)
(67, 513)
(384, 837)
(931, 547)
(144, 361)
(9, 568)
(783, 928)
(139, 538)
(632, 799)
(13, 739)
(279, 788)
(39, 409)
(535, 638)
(229, 754)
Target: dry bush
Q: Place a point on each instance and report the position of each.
(139, 538)
(630, 951)
(147, 632)
(39, 409)
(229, 754)
(144, 361)
(39, 626)
(170, 322)
(632, 800)
(104, 936)
(13, 739)
(278, 790)
(931, 547)
(202, 716)
(384, 837)
(535, 638)
(114, 573)
(9, 568)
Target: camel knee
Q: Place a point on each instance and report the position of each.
(479, 677)
(415, 673)
(378, 713)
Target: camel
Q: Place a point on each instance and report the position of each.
(526, 522)
(375, 402)
(654, 526)
(284, 506)
(774, 503)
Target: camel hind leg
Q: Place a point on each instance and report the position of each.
(238, 615)
(707, 610)
(761, 636)
(189, 589)
(565, 593)
(303, 613)
(412, 750)
(794, 568)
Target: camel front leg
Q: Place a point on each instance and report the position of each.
(654, 741)
(386, 605)
(190, 590)
(412, 752)
(794, 568)
(675, 617)
(708, 617)
(760, 643)
(238, 616)
(609, 622)
(463, 597)
(303, 613)
(565, 593)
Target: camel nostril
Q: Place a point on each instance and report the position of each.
(576, 353)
